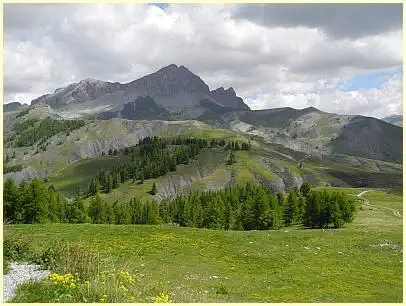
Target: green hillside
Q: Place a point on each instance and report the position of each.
(359, 263)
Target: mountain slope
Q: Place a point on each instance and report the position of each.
(315, 132)
(175, 93)
(13, 106)
(175, 88)
(68, 160)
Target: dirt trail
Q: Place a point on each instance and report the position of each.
(366, 202)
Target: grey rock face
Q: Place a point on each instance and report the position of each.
(83, 91)
(26, 174)
(228, 98)
(175, 88)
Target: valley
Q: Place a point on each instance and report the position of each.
(199, 198)
(286, 265)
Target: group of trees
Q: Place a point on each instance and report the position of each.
(34, 203)
(152, 158)
(254, 207)
(14, 168)
(30, 131)
(248, 207)
(132, 212)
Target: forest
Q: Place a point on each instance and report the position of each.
(154, 157)
(247, 207)
(30, 131)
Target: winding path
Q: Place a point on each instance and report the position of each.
(366, 202)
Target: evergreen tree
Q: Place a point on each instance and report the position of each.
(291, 209)
(11, 203)
(154, 189)
(281, 199)
(231, 158)
(76, 212)
(305, 189)
(109, 185)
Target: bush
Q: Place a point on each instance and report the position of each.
(62, 257)
(16, 248)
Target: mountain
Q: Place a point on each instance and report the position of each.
(228, 98)
(394, 119)
(173, 87)
(175, 93)
(69, 160)
(13, 106)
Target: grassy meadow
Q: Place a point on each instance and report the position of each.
(361, 262)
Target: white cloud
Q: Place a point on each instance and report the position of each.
(374, 102)
(50, 46)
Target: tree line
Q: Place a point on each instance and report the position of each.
(154, 157)
(29, 132)
(247, 207)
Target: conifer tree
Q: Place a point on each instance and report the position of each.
(291, 209)
(154, 189)
(305, 189)
(109, 185)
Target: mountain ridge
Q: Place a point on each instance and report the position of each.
(173, 87)
(175, 93)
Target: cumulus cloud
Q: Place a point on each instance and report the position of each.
(270, 61)
(374, 102)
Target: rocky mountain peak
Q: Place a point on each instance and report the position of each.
(228, 98)
(168, 81)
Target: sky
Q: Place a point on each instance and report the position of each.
(341, 58)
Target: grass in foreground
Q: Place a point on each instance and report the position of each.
(353, 264)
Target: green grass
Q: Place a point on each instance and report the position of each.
(197, 265)
(80, 173)
(247, 167)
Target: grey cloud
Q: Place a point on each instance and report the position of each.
(76, 43)
(328, 58)
(337, 20)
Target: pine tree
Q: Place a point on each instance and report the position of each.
(95, 209)
(37, 209)
(154, 189)
(11, 201)
(281, 199)
(305, 189)
(291, 209)
(109, 185)
(76, 212)
(231, 158)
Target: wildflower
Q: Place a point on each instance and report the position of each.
(122, 288)
(132, 298)
(162, 298)
(104, 298)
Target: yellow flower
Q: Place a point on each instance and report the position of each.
(104, 298)
(162, 298)
(122, 288)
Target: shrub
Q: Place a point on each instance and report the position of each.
(62, 257)
(16, 247)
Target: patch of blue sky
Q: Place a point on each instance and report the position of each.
(160, 5)
(367, 80)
